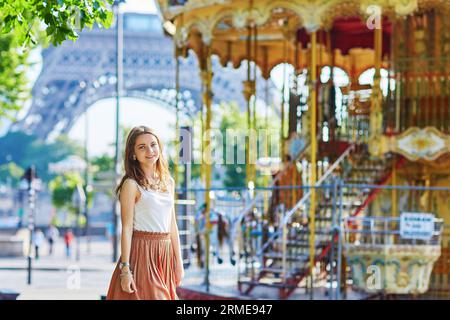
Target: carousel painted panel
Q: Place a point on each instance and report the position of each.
(393, 269)
(418, 144)
(393, 255)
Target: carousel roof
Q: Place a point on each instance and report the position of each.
(345, 29)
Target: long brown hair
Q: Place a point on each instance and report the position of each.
(132, 168)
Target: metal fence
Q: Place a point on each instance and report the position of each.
(249, 217)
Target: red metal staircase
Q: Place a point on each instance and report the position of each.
(285, 269)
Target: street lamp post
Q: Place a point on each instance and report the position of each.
(30, 183)
(86, 177)
(119, 77)
(78, 200)
(31, 224)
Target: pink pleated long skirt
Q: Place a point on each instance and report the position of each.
(153, 264)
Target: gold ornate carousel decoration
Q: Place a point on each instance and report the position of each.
(397, 125)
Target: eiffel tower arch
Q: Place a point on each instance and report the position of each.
(77, 74)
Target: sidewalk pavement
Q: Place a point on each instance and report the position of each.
(96, 256)
(59, 278)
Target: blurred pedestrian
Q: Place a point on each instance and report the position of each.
(38, 239)
(20, 217)
(68, 238)
(52, 236)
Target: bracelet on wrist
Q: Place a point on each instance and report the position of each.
(123, 265)
(123, 274)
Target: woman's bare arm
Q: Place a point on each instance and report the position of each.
(128, 195)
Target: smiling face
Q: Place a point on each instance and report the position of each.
(146, 149)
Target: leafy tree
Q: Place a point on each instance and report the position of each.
(24, 24)
(103, 163)
(228, 115)
(25, 150)
(232, 117)
(63, 188)
(12, 172)
(61, 19)
(103, 166)
(13, 81)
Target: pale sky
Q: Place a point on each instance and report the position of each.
(143, 6)
(134, 112)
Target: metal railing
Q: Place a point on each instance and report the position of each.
(440, 276)
(306, 197)
(382, 231)
(250, 243)
(259, 197)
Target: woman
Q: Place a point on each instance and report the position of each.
(150, 265)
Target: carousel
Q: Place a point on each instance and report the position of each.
(358, 198)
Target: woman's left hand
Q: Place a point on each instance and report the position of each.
(179, 275)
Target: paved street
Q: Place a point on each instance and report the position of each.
(58, 278)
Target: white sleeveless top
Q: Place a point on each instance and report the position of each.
(153, 211)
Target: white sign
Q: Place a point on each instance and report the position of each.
(416, 225)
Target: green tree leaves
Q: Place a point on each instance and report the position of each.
(11, 171)
(233, 118)
(63, 188)
(26, 23)
(13, 81)
(24, 150)
(61, 20)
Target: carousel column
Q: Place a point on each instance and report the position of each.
(396, 121)
(248, 92)
(332, 122)
(375, 106)
(207, 158)
(255, 127)
(313, 110)
(266, 134)
(202, 64)
(177, 147)
(394, 191)
(283, 102)
(177, 116)
(294, 116)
